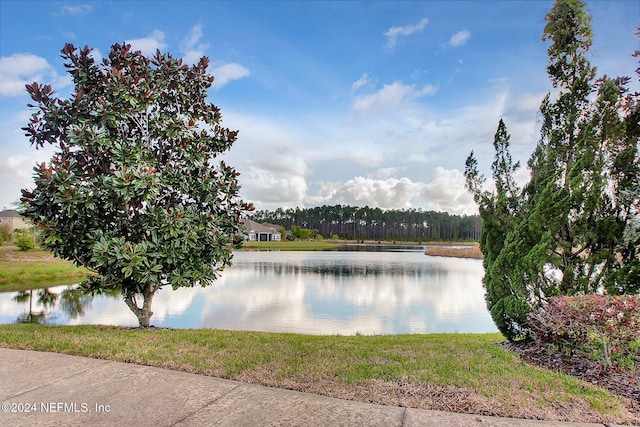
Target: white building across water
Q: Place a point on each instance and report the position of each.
(262, 232)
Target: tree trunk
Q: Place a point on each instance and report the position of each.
(143, 313)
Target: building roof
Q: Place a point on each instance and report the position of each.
(260, 228)
(274, 227)
(10, 213)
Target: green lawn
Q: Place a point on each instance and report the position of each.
(459, 372)
(34, 269)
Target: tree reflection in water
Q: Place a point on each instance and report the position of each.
(45, 298)
(73, 301)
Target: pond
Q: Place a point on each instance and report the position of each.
(372, 290)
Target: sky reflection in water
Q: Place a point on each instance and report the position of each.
(303, 292)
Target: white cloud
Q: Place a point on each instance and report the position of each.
(384, 173)
(148, 45)
(528, 103)
(390, 96)
(277, 181)
(75, 10)
(271, 190)
(360, 191)
(362, 81)
(190, 46)
(192, 38)
(394, 33)
(16, 171)
(228, 72)
(19, 69)
(419, 158)
(270, 159)
(19, 167)
(460, 38)
(445, 191)
(348, 146)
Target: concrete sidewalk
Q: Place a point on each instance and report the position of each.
(49, 389)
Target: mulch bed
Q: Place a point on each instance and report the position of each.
(623, 382)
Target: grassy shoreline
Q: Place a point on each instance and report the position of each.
(444, 248)
(454, 372)
(34, 269)
(312, 245)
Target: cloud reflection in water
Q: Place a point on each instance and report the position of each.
(317, 293)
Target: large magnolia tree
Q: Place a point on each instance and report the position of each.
(573, 229)
(134, 192)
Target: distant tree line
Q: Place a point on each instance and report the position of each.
(365, 223)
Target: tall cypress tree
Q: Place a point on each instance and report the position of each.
(573, 228)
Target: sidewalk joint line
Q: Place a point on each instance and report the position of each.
(211, 402)
(404, 416)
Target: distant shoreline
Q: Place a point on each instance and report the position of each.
(326, 244)
(469, 251)
(442, 249)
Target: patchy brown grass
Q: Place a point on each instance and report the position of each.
(466, 373)
(11, 253)
(471, 251)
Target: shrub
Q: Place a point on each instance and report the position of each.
(24, 243)
(603, 328)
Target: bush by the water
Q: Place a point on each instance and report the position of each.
(603, 328)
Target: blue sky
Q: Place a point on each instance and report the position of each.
(360, 103)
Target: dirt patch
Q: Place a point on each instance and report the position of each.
(13, 254)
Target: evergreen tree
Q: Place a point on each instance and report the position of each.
(573, 228)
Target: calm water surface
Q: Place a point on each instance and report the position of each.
(334, 292)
